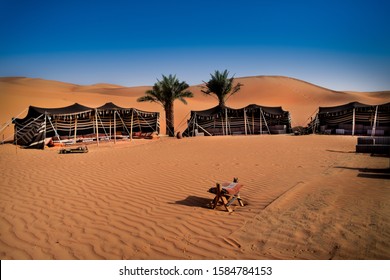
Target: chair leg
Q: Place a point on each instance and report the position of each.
(226, 204)
(240, 200)
(215, 202)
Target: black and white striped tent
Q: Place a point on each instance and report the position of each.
(250, 120)
(80, 123)
(353, 119)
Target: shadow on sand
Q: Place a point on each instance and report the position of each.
(374, 173)
(195, 201)
(342, 152)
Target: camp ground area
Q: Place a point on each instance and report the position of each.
(250, 120)
(303, 198)
(353, 119)
(80, 124)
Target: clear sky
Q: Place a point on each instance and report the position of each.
(342, 45)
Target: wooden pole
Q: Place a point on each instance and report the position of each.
(261, 124)
(353, 121)
(44, 134)
(265, 121)
(110, 129)
(115, 127)
(246, 132)
(375, 118)
(193, 125)
(131, 127)
(75, 128)
(226, 121)
(97, 127)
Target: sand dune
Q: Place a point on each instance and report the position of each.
(307, 197)
(302, 99)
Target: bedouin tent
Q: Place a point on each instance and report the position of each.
(76, 123)
(250, 120)
(353, 119)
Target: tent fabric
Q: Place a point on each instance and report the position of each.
(340, 108)
(31, 132)
(252, 119)
(81, 121)
(353, 119)
(69, 110)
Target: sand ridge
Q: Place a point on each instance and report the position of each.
(148, 200)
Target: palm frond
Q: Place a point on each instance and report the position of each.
(221, 86)
(165, 92)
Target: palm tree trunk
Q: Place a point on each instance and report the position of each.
(169, 116)
(221, 101)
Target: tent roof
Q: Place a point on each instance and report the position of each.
(111, 106)
(68, 110)
(270, 110)
(348, 106)
(218, 109)
(73, 109)
(343, 107)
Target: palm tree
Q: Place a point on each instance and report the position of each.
(165, 92)
(221, 86)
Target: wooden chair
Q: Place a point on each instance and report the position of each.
(226, 194)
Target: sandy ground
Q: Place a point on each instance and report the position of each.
(306, 197)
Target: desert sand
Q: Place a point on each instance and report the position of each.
(306, 197)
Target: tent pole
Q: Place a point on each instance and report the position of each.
(261, 124)
(109, 132)
(44, 135)
(114, 127)
(97, 128)
(204, 130)
(194, 122)
(226, 121)
(353, 121)
(131, 127)
(265, 121)
(375, 118)
(55, 131)
(75, 128)
(246, 132)
(158, 124)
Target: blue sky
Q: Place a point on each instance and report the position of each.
(342, 45)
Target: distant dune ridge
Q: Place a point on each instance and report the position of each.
(306, 197)
(300, 98)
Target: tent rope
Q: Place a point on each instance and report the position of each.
(138, 114)
(105, 132)
(10, 121)
(124, 125)
(55, 130)
(182, 121)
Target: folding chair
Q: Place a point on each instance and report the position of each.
(226, 194)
